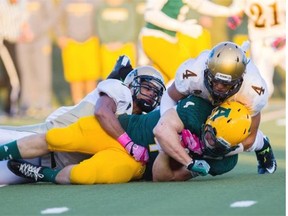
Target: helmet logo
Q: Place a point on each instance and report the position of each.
(220, 111)
(224, 77)
(211, 53)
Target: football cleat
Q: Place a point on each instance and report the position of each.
(266, 160)
(25, 169)
(121, 69)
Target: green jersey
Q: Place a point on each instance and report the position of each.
(193, 111)
(172, 9)
(140, 129)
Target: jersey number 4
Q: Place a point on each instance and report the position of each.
(188, 74)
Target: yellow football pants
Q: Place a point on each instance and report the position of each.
(168, 56)
(110, 163)
(196, 45)
(107, 167)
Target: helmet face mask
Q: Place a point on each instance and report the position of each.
(226, 64)
(213, 146)
(140, 86)
(147, 87)
(220, 96)
(227, 126)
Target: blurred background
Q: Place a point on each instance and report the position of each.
(49, 41)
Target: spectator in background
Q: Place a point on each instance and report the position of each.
(118, 32)
(35, 60)
(79, 43)
(140, 6)
(13, 28)
(267, 33)
(196, 45)
(164, 20)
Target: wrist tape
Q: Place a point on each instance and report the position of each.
(124, 139)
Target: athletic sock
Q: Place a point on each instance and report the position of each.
(49, 174)
(9, 151)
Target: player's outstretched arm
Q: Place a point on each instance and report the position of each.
(167, 169)
(167, 133)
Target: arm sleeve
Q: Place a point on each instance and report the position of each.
(184, 84)
(258, 94)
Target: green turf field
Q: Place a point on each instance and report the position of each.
(240, 192)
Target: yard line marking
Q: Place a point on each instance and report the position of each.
(3, 185)
(57, 210)
(241, 204)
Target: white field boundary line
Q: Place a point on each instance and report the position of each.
(269, 116)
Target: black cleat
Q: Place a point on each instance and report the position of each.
(121, 69)
(266, 160)
(25, 169)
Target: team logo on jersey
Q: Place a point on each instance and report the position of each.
(189, 103)
(188, 74)
(258, 90)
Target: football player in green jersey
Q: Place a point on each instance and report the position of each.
(115, 167)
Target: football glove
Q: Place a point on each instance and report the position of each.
(199, 166)
(121, 69)
(191, 142)
(139, 153)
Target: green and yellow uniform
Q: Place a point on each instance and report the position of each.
(111, 163)
(117, 29)
(167, 49)
(81, 57)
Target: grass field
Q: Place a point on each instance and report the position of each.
(240, 192)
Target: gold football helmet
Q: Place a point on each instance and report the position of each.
(227, 126)
(142, 77)
(226, 64)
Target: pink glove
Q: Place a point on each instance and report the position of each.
(233, 22)
(138, 152)
(191, 141)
